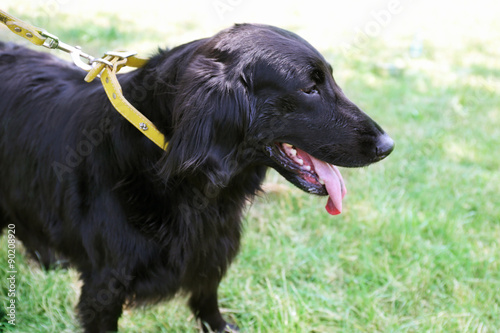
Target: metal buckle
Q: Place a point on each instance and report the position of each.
(51, 41)
(103, 61)
(121, 54)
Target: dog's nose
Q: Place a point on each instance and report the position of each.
(385, 146)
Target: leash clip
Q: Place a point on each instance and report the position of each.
(53, 42)
(76, 54)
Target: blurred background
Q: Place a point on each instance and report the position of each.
(417, 246)
(326, 24)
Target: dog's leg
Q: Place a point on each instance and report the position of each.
(37, 247)
(4, 220)
(101, 304)
(47, 257)
(206, 308)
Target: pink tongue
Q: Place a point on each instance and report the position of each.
(334, 184)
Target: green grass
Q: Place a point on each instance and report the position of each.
(416, 248)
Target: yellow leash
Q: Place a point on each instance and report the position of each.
(106, 67)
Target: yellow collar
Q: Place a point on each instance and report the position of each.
(112, 63)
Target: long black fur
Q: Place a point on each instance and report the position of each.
(142, 224)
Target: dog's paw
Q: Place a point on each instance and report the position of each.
(231, 328)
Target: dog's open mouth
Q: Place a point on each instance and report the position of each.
(311, 174)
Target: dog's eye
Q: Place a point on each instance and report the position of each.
(310, 91)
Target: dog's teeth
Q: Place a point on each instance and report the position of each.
(292, 153)
(307, 167)
(289, 149)
(321, 181)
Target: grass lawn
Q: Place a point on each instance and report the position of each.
(417, 246)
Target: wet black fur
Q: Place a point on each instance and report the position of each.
(141, 224)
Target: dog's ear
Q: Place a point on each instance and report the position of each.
(210, 117)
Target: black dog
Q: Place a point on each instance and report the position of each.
(142, 224)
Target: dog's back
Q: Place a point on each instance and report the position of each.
(34, 119)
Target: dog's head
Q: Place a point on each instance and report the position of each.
(258, 94)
